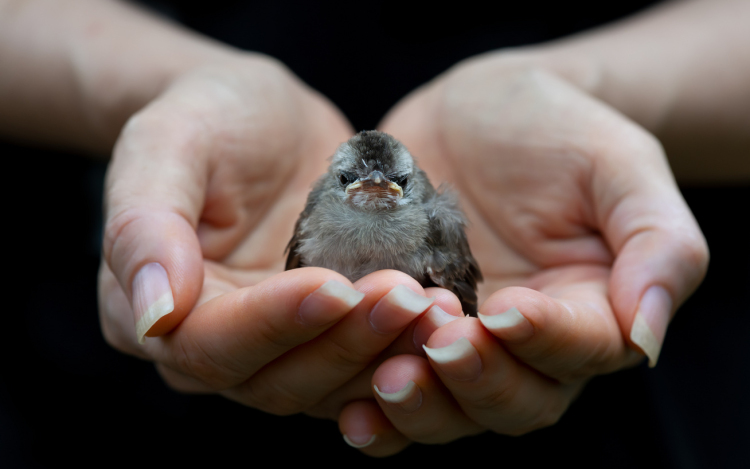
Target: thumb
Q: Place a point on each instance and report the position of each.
(153, 200)
(661, 254)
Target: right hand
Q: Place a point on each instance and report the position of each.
(586, 246)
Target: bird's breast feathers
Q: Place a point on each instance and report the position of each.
(355, 242)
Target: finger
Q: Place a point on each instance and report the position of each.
(116, 315)
(492, 388)
(232, 336)
(446, 308)
(416, 402)
(662, 255)
(364, 427)
(153, 200)
(181, 382)
(303, 377)
(565, 331)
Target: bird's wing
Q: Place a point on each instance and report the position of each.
(451, 264)
(293, 259)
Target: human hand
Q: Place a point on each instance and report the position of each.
(202, 195)
(585, 243)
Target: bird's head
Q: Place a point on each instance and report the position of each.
(374, 171)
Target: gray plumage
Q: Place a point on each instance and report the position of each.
(375, 209)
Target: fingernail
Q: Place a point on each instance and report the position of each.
(328, 303)
(510, 325)
(432, 320)
(397, 309)
(459, 360)
(152, 298)
(408, 398)
(357, 441)
(650, 324)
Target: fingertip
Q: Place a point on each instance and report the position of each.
(364, 426)
(662, 257)
(514, 314)
(169, 315)
(157, 260)
(328, 303)
(465, 327)
(417, 402)
(362, 442)
(386, 280)
(396, 372)
(435, 318)
(650, 322)
(510, 325)
(315, 295)
(394, 301)
(446, 299)
(152, 301)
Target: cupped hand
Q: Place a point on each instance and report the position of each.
(585, 243)
(202, 194)
(216, 168)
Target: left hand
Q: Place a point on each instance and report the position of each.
(576, 222)
(206, 182)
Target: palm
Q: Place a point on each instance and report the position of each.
(265, 161)
(262, 139)
(522, 152)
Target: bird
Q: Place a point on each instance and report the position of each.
(376, 209)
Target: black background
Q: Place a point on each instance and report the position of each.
(67, 397)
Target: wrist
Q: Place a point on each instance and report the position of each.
(670, 71)
(75, 70)
(584, 68)
(119, 72)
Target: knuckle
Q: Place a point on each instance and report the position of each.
(195, 360)
(543, 419)
(546, 419)
(319, 412)
(116, 339)
(172, 383)
(272, 69)
(158, 117)
(695, 251)
(177, 130)
(439, 432)
(116, 317)
(114, 229)
(274, 398)
(649, 141)
(497, 400)
(517, 431)
(546, 415)
(272, 334)
(603, 357)
(344, 357)
(178, 382)
(432, 436)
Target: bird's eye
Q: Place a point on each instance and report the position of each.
(402, 181)
(347, 178)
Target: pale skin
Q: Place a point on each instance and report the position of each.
(518, 108)
(574, 211)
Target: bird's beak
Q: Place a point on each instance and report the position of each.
(395, 188)
(353, 186)
(375, 181)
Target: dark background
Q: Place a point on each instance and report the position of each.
(66, 396)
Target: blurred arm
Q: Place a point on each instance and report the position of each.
(681, 70)
(73, 71)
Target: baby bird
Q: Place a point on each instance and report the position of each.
(375, 209)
